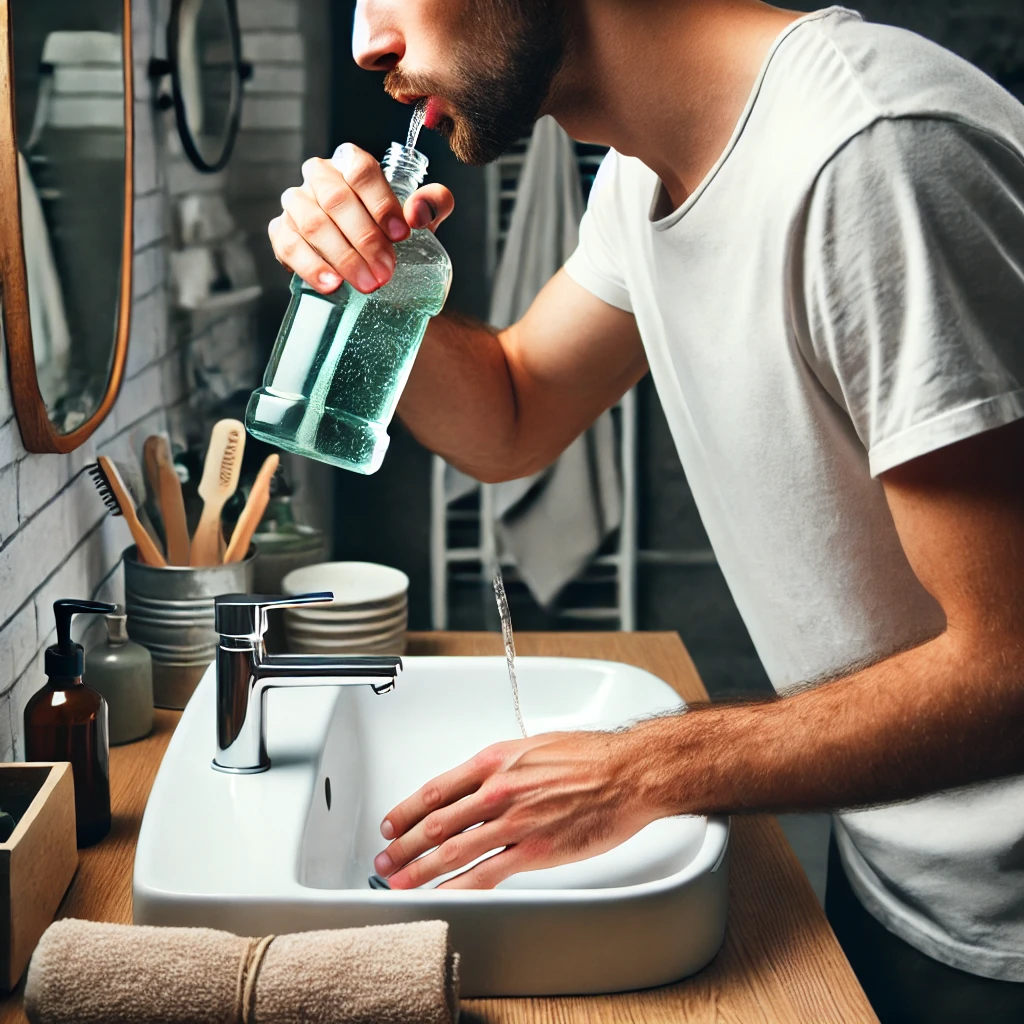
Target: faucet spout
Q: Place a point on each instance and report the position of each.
(245, 672)
(306, 669)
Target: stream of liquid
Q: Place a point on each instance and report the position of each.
(510, 645)
(419, 115)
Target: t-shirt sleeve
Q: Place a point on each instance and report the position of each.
(595, 263)
(913, 283)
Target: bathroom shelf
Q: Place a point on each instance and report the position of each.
(217, 302)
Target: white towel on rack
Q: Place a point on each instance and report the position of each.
(554, 522)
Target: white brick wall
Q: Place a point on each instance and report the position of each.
(55, 538)
(257, 15)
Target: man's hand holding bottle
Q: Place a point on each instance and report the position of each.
(342, 222)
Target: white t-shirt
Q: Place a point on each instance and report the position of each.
(843, 293)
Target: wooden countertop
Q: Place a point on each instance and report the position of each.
(780, 961)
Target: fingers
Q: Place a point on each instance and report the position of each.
(429, 206)
(452, 854)
(435, 829)
(492, 871)
(343, 221)
(440, 792)
(300, 257)
(365, 177)
(315, 228)
(344, 209)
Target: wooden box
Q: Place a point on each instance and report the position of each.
(39, 860)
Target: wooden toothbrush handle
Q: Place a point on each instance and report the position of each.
(172, 511)
(207, 538)
(252, 514)
(149, 553)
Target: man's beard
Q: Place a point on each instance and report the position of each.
(505, 74)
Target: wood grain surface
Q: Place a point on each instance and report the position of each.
(37, 862)
(780, 962)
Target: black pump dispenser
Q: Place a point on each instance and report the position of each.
(67, 721)
(66, 659)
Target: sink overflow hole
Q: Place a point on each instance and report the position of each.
(327, 791)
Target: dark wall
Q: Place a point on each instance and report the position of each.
(388, 518)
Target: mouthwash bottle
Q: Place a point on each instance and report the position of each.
(341, 361)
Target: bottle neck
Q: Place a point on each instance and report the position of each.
(64, 682)
(405, 169)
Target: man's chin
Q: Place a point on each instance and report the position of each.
(468, 147)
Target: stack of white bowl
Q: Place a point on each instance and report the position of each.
(369, 614)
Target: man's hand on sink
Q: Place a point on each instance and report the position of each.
(550, 800)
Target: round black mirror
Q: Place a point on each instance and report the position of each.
(204, 51)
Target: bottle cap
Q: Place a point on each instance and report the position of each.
(66, 659)
(117, 628)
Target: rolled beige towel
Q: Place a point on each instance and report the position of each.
(87, 973)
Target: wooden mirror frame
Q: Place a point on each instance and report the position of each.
(37, 432)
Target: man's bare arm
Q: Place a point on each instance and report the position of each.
(498, 405)
(948, 713)
(504, 404)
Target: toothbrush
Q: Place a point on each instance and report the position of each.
(220, 480)
(115, 496)
(167, 490)
(255, 506)
(134, 481)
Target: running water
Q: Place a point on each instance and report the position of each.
(419, 115)
(510, 646)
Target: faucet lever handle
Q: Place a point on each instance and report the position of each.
(244, 616)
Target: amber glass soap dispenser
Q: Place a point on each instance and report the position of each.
(67, 721)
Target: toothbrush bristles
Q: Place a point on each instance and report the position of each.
(99, 478)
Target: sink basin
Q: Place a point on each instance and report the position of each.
(292, 849)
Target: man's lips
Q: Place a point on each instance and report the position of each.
(434, 113)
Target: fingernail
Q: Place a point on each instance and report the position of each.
(387, 830)
(342, 156)
(397, 228)
(382, 864)
(329, 280)
(384, 268)
(422, 214)
(365, 281)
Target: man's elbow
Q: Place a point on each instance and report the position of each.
(500, 471)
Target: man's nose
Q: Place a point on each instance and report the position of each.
(377, 45)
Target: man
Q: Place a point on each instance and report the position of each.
(811, 231)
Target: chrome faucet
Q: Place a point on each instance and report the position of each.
(245, 671)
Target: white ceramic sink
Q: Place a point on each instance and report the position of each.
(268, 854)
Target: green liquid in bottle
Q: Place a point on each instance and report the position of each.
(341, 361)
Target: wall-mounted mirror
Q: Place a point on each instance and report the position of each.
(204, 50)
(65, 212)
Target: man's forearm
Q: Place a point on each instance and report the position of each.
(945, 714)
(460, 399)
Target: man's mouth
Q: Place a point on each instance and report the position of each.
(435, 112)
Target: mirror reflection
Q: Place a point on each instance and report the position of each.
(69, 98)
(206, 59)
